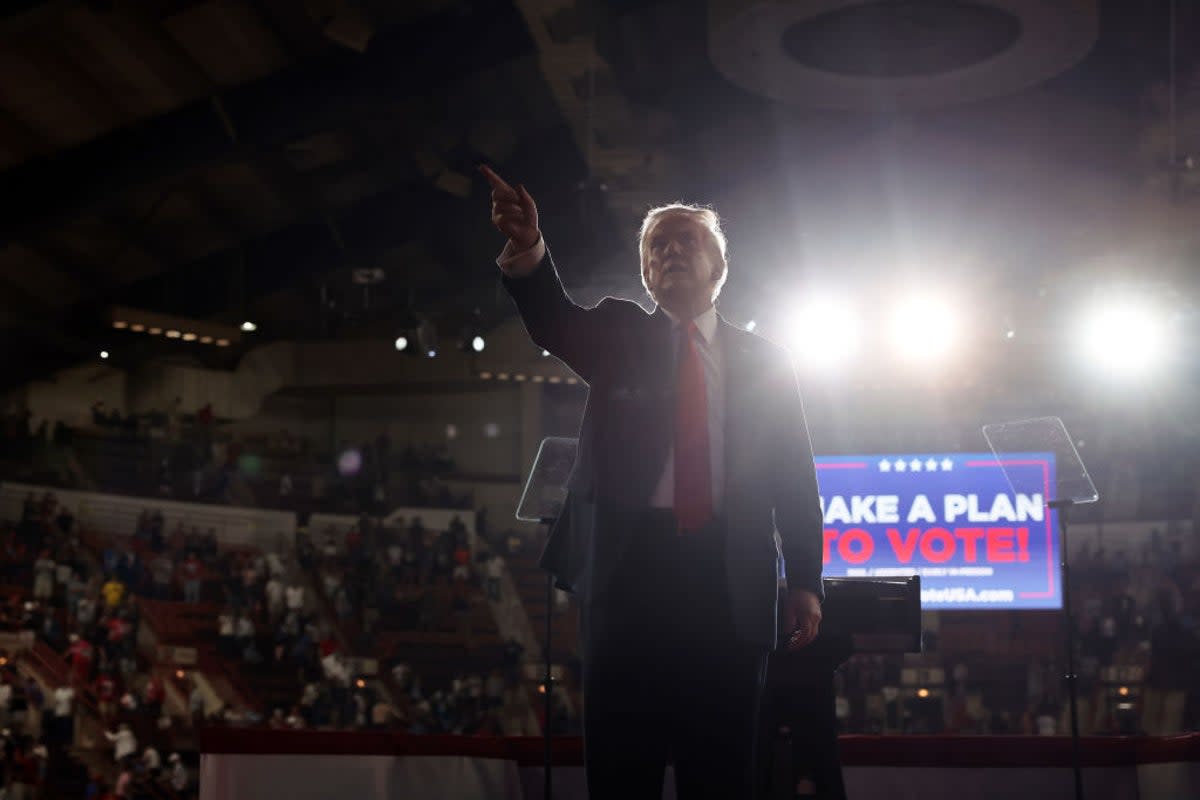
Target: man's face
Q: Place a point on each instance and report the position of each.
(680, 262)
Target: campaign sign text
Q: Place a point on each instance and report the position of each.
(950, 518)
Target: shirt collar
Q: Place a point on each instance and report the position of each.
(706, 322)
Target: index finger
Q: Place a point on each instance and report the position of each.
(495, 180)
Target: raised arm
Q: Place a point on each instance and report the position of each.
(571, 333)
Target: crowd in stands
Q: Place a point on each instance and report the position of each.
(1138, 647)
(314, 608)
(82, 607)
(407, 578)
(199, 458)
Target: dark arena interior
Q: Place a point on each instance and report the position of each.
(367, 429)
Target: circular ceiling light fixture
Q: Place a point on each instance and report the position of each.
(888, 56)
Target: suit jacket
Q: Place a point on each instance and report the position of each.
(627, 359)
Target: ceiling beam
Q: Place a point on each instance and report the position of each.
(412, 60)
(231, 226)
(307, 248)
(161, 52)
(58, 60)
(18, 17)
(88, 275)
(20, 138)
(291, 26)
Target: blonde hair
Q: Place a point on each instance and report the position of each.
(707, 216)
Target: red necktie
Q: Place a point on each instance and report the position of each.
(693, 473)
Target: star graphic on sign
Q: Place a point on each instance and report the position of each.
(901, 465)
(931, 465)
(885, 465)
(915, 465)
(947, 464)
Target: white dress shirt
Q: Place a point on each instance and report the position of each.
(512, 262)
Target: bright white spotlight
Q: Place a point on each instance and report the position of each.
(104, 354)
(751, 325)
(824, 331)
(402, 343)
(1124, 338)
(923, 328)
(477, 344)
(249, 327)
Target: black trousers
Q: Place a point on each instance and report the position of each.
(665, 676)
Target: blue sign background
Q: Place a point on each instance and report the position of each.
(1021, 577)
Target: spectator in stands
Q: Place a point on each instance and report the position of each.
(79, 656)
(329, 548)
(43, 577)
(354, 543)
(294, 598)
(124, 742)
(65, 521)
(275, 599)
(154, 694)
(23, 768)
(495, 572)
(275, 566)
(152, 762)
(114, 593)
(411, 572)
(85, 612)
(62, 730)
(35, 702)
(462, 561)
(124, 785)
(118, 639)
(192, 572)
(177, 776)
(106, 694)
(6, 699)
(243, 633)
(162, 572)
(208, 546)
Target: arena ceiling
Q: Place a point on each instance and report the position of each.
(254, 159)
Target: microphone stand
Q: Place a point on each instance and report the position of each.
(1062, 507)
(548, 680)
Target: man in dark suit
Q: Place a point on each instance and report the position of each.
(693, 486)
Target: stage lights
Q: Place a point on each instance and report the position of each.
(427, 337)
(472, 341)
(152, 323)
(401, 343)
(824, 331)
(923, 328)
(1124, 338)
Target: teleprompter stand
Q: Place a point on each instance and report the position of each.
(1029, 451)
(542, 502)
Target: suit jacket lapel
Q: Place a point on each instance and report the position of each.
(735, 365)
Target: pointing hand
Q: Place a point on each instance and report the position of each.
(513, 211)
